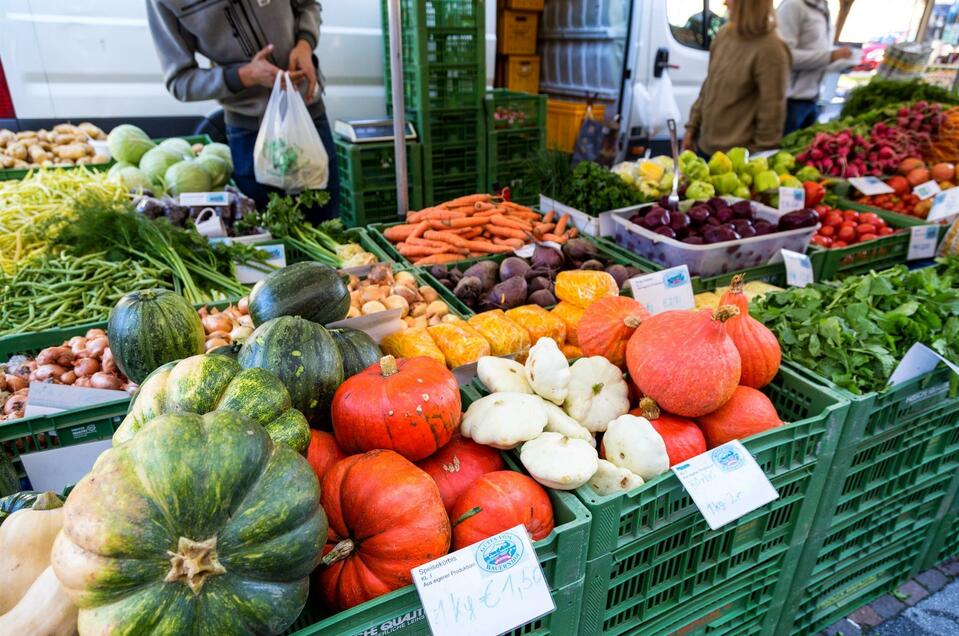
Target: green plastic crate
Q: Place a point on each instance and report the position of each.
(896, 441)
(360, 209)
(372, 166)
(508, 110)
(505, 149)
(448, 126)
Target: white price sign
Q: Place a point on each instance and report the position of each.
(204, 198)
(926, 190)
(725, 483)
(870, 185)
(488, 588)
(923, 240)
(919, 360)
(665, 290)
(791, 199)
(945, 205)
(277, 257)
(799, 272)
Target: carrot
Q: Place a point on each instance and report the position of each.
(399, 233)
(441, 214)
(528, 215)
(554, 238)
(416, 217)
(420, 250)
(421, 227)
(549, 216)
(561, 224)
(500, 220)
(449, 247)
(573, 233)
(442, 224)
(480, 206)
(468, 200)
(513, 242)
(539, 228)
(470, 233)
(488, 248)
(446, 237)
(464, 210)
(507, 232)
(438, 259)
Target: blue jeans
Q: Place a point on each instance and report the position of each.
(800, 113)
(241, 143)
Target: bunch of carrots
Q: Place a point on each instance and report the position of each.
(471, 226)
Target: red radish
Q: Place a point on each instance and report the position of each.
(685, 361)
(746, 413)
(758, 347)
(457, 465)
(682, 437)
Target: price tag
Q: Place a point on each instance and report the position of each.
(277, 256)
(918, 361)
(926, 190)
(799, 272)
(870, 185)
(922, 241)
(204, 198)
(725, 483)
(665, 290)
(791, 199)
(945, 205)
(488, 588)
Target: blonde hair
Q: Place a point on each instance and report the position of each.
(752, 18)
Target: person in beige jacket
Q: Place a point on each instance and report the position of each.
(743, 100)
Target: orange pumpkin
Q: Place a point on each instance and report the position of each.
(606, 326)
(323, 452)
(758, 347)
(746, 413)
(457, 465)
(682, 437)
(499, 501)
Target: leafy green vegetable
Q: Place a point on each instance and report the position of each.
(880, 93)
(854, 332)
(549, 169)
(594, 189)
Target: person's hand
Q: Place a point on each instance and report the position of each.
(301, 66)
(689, 141)
(259, 71)
(842, 53)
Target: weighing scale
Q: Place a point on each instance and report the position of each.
(364, 131)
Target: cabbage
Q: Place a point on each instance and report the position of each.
(132, 179)
(179, 147)
(117, 167)
(187, 176)
(218, 169)
(218, 150)
(155, 162)
(128, 143)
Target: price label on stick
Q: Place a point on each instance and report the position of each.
(791, 199)
(725, 483)
(799, 272)
(664, 290)
(870, 185)
(488, 588)
(922, 242)
(945, 205)
(926, 190)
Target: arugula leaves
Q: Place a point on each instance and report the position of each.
(855, 331)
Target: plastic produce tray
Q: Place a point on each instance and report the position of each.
(709, 260)
(900, 442)
(360, 209)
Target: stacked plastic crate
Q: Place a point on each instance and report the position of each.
(444, 80)
(368, 181)
(515, 135)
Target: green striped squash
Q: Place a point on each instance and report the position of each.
(357, 349)
(151, 327)
(200, 524)
(309, 290)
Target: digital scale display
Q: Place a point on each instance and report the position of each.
(370, 130)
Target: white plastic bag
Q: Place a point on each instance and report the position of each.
(653, 107)
(289, 153)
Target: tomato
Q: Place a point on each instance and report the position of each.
(850, 215)
(846, 233)
(840, 244)
(822, 241)
(885, 231)
(866, 228)
(867, 237)
(851, 224)
(870, 217)
(827, 230)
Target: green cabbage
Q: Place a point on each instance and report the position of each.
(128, 143)
(218, 150)
(218, 169)
(179, 147)
(132, 179)
(155, 162)
(117, 167)
(187, 176)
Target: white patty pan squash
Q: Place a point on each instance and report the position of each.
(631, 442)
(597, 393)
(502, 374)
(558, 462)
(504, 420)
(557, 421)
(547, 370)
(610, 479)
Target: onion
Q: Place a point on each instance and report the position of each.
(69, 377)
(102, 380)
(213, 343)
(86, 367)
(47, 371)
(219, 322)
(239, 334)
(109, 365)
(15, 382)
(97, 346)
(15, 404)
(244, 305)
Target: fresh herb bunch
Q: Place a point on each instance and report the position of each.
(881, 93)
(549, 169)
(594, 189)
(855, 332)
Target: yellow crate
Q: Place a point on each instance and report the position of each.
(519, 72)
(563, 120)
(516, 32)
(521, 5)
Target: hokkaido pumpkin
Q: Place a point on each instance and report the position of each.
(685, 361)
(682, 437)
(197, 525)
(757, 344)
(323, 452)
(499, 501)
(746, 413)
(44, 610)
(386, 517)
(409, 406)
(607, 325)
(457, 465)
(583, 287)
(25, 541)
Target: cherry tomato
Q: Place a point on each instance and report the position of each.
(846, 234)
(869, 217)
(827, 230)
(867, 237)
(822, 241)
(850, 215)
(885, 231)
(834, 219)
(866, 228)
(851, 224)
(840, 244)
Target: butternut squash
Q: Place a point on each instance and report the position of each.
(45, 610)
(26, 538)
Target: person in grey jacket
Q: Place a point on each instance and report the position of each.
(248, 42)
(805, 27)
